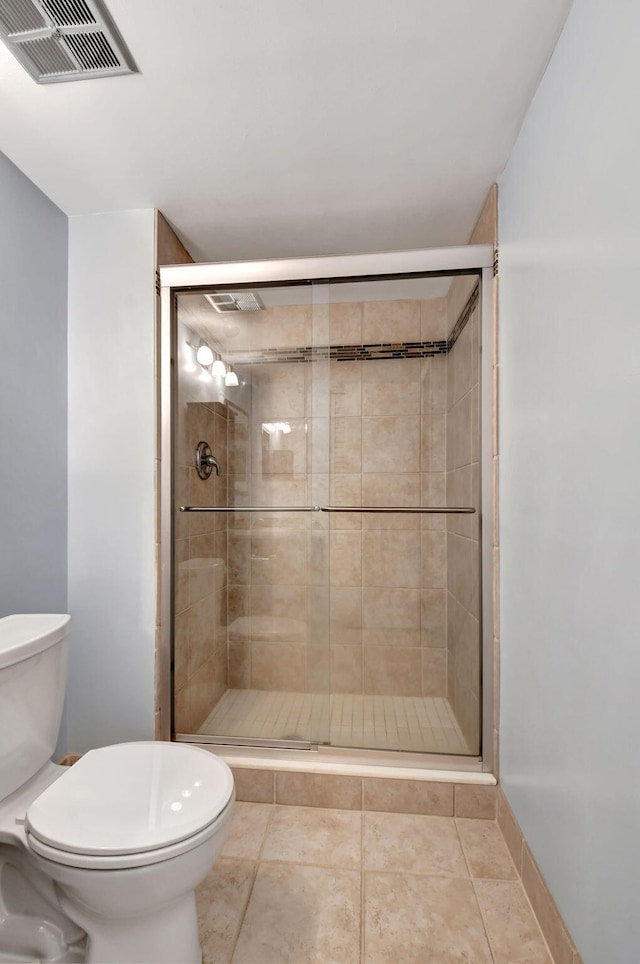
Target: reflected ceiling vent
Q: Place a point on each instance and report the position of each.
(235, 301)
(58, 40)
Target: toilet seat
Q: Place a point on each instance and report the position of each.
(130, 805)
(126, 861)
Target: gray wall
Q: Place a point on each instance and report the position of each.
(110, 694)
(33, 398)
(570, 478)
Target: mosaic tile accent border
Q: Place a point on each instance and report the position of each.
(373, 352)
(312, 353)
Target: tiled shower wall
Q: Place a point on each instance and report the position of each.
(463, 531)
(387, 573)
(200, 644)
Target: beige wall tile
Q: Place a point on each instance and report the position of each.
(182, 710)
(346, 448)
(408, 796)
(346, 668)
(278, 666)
(278, 600)
(346, 607)
(205, 691)
(278, 392)
(201, 619)
(391, 444)
(459, 449)
(346, 490)
(391, 387)
(392, 670)
(460, 368)
(278, 557)
(181, 597)
(391, 609)
(434, 560)
(346, 388)
(433, 611)
(345, 324)
(433, 319)
(434, 385)
(239, 664)
(390, 489)
(391, 637)
(510, 829)
(239, 557)
(434, 672)
(545, 910)
(463, 565)
(319, 790)
(477, 802)
(346, 558)
(433, 493)
(390, 321)
(433, 442)
(392, 558)
(256, 786)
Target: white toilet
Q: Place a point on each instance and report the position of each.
(99, 861)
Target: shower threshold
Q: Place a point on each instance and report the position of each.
(419, 724)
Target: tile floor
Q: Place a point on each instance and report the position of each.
(303, 884)
(422, 724)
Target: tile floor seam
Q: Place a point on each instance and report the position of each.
(484, 922)
(475, 893)
(536, 919)
(416, 873)
(257, 864)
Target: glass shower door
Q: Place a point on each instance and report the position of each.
(251, 661)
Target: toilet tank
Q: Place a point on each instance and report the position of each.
(33, 676)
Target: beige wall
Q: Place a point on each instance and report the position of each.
(383, 445)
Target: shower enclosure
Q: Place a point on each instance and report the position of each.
(323, 550)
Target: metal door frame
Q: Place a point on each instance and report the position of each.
(434, 262)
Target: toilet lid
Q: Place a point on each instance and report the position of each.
(130, 798)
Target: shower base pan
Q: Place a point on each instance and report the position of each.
(411, 723)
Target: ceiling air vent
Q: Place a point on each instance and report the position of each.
(235, 301)
(58, 40)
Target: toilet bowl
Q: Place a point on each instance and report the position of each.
(111, 848)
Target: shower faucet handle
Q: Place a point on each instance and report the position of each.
(205, 461)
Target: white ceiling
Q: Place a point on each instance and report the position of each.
(275, 128)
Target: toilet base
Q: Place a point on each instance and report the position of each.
(167, 936)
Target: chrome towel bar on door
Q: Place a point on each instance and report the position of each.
(395, 508)
(250, 508)
(436, 509)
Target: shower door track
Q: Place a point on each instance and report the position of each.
(245, 741)
(192, 278)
